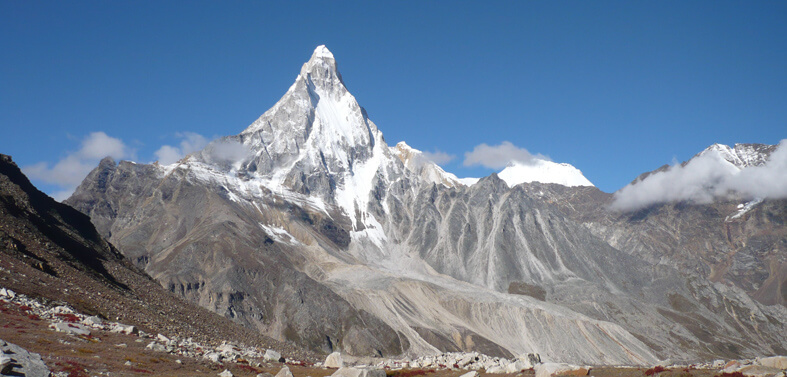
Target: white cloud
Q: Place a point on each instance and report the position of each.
(499, 156)
(98, 145)
(190, 142)
(228, 151)
(69, 172)
(438, 157)
(706, 178)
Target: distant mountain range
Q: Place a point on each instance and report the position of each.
(308, 227)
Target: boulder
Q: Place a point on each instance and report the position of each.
(518, 365)
(732, 366)
(779, 362)
(124, 329)
(226, 373)
(532, 358)
(70, 328)
(271, 355)
(212, 356)
(357, 372)
(16, 361)
(93, 321)
(334, 360)
(284, 372)
(7, 293)
(5, 364)
(153, 346)
(495, 369)
(560, 369)
(470, 374)
(759, 371)
(264, 374)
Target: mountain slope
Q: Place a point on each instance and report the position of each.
(309, 227)
(52, 251)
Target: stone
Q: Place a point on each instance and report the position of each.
(153, 346)
(93, 321)
(161, 338)
(7, 293)
(532, 358)
(264, 374)
(128, 363)
(212, 356)
(17, 361)
(357, 372)
(124, 329)
(779, 362)
(271, 355)
(732, 366)
(284, 372)
(5, 364)
(759, 371)
(226, 373)
(518, 365)
(495, 369)
(470, 374)
(70, 328)
(560, 369)
(334, 360)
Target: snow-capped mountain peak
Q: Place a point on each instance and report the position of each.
(539, 170)
(741, 155)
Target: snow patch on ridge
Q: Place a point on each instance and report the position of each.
(543, 171)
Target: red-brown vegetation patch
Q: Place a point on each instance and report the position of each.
(733, 374)
(655, 370)
(409, 372)
(67, 317)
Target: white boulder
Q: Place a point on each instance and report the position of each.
(226, 373)
(93, 321)
(124, 329)
(759, 371)
(7, 293)
(495, 369)
(271, 355)
(558, 369)
(358, 372)
(779, 362)
(470, 374)
(518, 365)
(334, 360)
(284, 372)
(70, 328)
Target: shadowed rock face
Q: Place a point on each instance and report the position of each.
(52, 251)
(317, 232)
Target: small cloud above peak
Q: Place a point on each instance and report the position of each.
(499, 156)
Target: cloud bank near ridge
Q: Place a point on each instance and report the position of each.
(499, 156)
(69, 171)
(706, 178)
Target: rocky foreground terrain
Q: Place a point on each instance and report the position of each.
(68, 343)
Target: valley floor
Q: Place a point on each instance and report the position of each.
(103, 353)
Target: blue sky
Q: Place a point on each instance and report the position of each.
(614, 88)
